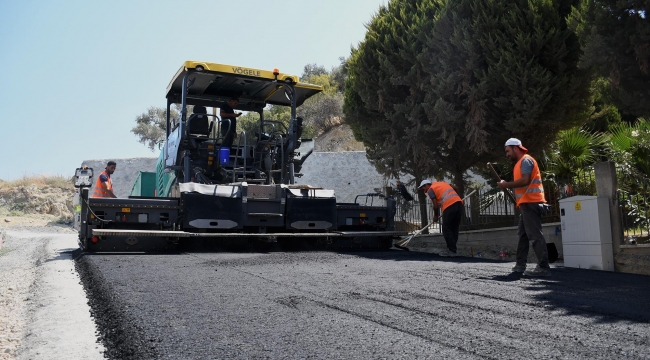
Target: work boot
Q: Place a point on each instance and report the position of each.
(447, 253)
(518, 268)
(538, 271)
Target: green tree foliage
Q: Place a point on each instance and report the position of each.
(604, 114)
(630, 146)
(249, 123)
(383, 99)
(504, 69)
(577, 149)
(150, 126)
(339, 75)
(312, 70)
(574, 150)
(615, 36)
(384, 93)
(323, 111)
(438, 86)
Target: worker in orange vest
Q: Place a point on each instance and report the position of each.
(529, 194)
(445, 198)
(104, 185)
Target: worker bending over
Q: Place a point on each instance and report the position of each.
(445, 197)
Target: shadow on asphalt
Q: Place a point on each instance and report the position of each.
(64, 255)
(606, 297)
(401, 255)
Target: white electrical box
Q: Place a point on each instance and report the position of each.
(587, 233)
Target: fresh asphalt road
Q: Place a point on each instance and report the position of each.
(359, 305)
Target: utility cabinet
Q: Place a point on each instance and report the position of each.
(587, 233)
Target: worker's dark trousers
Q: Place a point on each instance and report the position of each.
(451, 223)
(228, 139)
(227, 133)
(530, 229)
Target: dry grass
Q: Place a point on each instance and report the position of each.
(40, 181)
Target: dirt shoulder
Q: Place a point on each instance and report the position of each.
(43, 307)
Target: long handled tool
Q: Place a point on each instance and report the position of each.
(494, 172)
(550, 247)
(402, 243)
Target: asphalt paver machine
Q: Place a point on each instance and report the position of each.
(204, 190)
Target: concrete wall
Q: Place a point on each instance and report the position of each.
(348, 173)
(633, 259)
(489, 243)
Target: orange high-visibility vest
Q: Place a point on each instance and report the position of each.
(100, 191)
(445, 194)
(534, 192)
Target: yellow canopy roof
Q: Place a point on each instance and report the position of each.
(213, 84)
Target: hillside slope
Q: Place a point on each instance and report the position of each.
(338, 139)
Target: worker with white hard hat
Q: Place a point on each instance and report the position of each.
(445, 198)
(529, 194)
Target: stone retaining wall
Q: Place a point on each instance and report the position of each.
(348, 173)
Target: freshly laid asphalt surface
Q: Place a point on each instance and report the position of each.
(359, 305)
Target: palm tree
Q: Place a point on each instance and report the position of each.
(574, 150)
(630, 145)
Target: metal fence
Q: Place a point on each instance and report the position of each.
(634, 204)
(490, 208)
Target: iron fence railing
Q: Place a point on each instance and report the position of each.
(634, 205)
(491, 208)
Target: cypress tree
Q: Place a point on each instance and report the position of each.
(436, 87)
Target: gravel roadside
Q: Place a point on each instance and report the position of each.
(43, 307)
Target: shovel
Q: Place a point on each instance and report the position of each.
(402, 243)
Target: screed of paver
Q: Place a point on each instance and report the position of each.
(58, 323)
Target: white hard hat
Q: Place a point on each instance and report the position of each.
(424, 182)
(516, 142)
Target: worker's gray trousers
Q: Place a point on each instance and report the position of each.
(451, 224)
(530, 229)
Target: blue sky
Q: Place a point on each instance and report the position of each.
(75, 74)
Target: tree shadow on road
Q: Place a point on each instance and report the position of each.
(606, 296)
